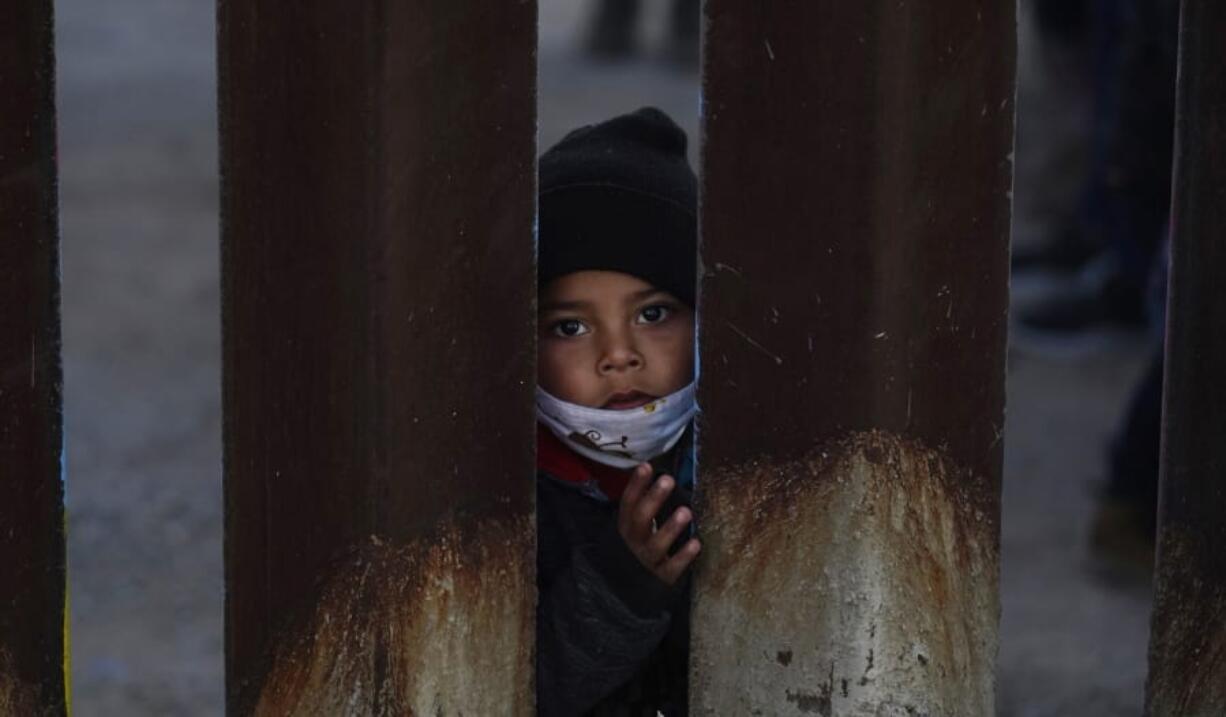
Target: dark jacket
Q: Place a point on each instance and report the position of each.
(612, 639)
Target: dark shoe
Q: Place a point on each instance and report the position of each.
(1065, 252)
(1092, 314)
(1100, 298)
(1115, 307)
(1121, 544)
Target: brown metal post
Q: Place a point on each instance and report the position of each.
(32, 601)
(1187, 653)
(855, 222)
(378, 165)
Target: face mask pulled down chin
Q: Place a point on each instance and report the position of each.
(622, 439)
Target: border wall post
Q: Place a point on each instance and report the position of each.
(32, 584)
(1187, 654)
(378, 165)
(855, 221)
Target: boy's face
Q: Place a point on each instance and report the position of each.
(610, 340)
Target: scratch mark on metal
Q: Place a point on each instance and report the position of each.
(944, 291)
(724, 267)
(770, 52)
(778, 359)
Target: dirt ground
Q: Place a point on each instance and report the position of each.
(142, 353)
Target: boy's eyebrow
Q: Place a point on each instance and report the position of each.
(644, 294)
(576, 304)
(563, 306)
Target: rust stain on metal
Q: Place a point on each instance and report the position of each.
(872, 561)
(439, 626)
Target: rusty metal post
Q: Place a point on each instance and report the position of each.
(32, 597)
(855, 222)
(378, 164)
(1187, 653)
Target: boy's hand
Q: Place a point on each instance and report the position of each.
(640, 503)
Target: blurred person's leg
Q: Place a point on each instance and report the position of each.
(1124, 526)
(685, 27)
(1142, 150)
(1127, 200)
(1079, 238)
(1125, 521)
(1067, 20)
(613, 30)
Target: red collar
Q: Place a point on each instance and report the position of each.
(559, 461)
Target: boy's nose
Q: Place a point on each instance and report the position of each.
(620, 359)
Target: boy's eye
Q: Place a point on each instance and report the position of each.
(654, 314)
(569, 328)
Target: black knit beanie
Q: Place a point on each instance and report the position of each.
(621, 196)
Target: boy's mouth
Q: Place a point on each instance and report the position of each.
(628, 400)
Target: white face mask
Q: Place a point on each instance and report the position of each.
(622, 439)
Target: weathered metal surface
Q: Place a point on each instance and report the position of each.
(855, 222)
(31, 489)
(419, 629)
(378, 193)
(1188, 640)
(17, 695)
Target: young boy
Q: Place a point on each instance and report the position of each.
(615, 403)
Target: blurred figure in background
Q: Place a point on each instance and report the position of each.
(614, 31)
(1114, 250)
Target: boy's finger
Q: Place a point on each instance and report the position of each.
(639, 480)
(651, 502)
(676, 565)
(667, 534)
